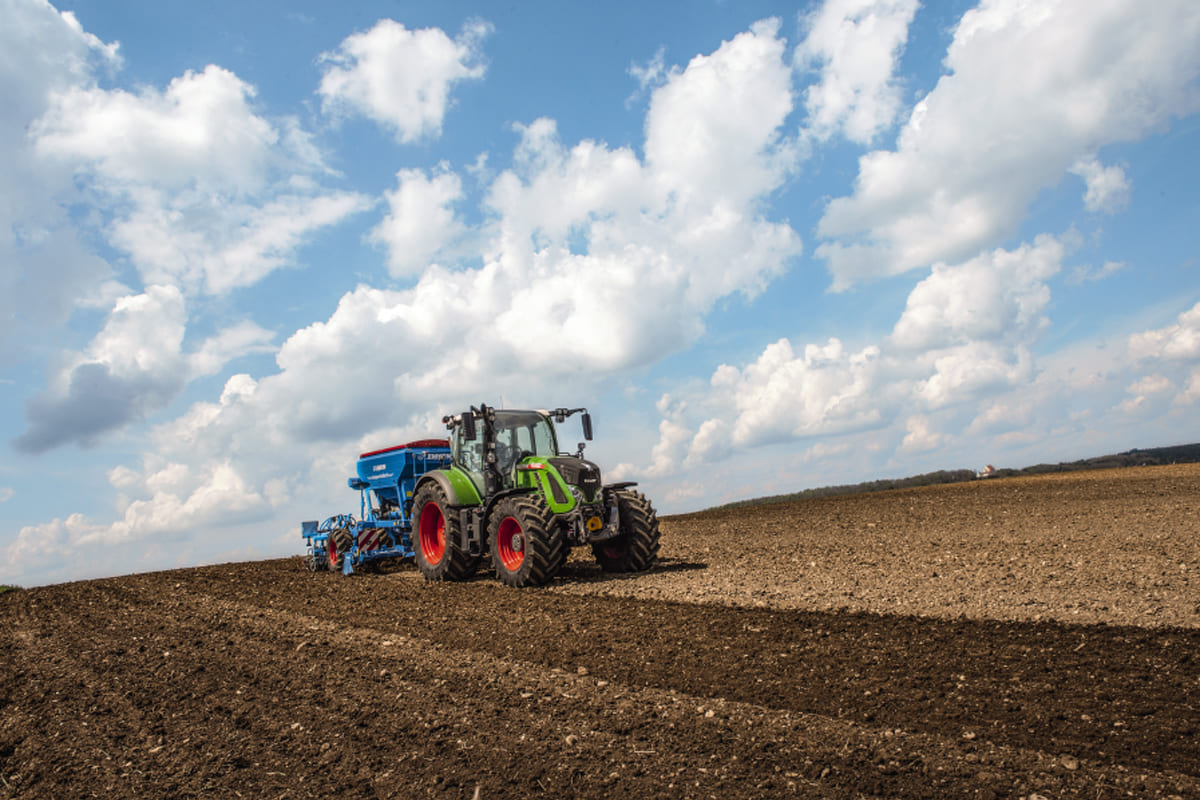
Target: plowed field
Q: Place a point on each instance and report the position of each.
(1000, 639)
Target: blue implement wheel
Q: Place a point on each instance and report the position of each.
(338, 545)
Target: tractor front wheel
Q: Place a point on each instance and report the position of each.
(436, 528)
(636, 547)
(527, 544)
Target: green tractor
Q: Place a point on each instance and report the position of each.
(511, 493)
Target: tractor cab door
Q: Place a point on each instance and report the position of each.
(507, 451)
(514, 439)
(468, 456)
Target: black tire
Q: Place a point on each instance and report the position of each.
(635, 548)
(337, 545)
(436, 538)
(526, 542)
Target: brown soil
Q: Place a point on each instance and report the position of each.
(1000, 639)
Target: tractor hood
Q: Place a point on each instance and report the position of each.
(579, 472)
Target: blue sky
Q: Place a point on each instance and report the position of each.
(770, 246)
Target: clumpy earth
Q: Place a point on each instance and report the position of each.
(1009, 638)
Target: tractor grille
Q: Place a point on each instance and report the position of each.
(581, 473)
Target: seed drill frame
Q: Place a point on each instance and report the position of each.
(385, 482)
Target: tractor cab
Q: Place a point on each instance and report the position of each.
(515, 436)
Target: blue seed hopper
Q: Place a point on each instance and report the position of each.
(385, 482)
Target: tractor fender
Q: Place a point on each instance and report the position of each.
(458, 488)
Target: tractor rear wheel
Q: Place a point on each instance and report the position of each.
(636, 546)
(436, 542)
(527, 544)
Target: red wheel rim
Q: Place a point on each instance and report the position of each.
(510, 544)
(333, 553)
(432, 535)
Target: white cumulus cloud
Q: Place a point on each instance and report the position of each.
(213, 245)
(133, 367)
(976, 367)
(1151, 384)
(855, 44)
(401, 78)
(1030, 90)
(782, 396)
(1191, 392)
(1108, 188)
(709, 127)
(199, 132)
(48, 270)
(997, 295)
(207, 194)
(965, 337)
(202, 192)
(1179, 342)
(920, 436)
(421, 220)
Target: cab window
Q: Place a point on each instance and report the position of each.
(469, 454)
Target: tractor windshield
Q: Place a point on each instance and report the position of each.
(524, 433)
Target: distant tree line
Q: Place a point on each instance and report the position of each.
(1179, 454)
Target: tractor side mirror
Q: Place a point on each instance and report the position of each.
(468, 423)
(587, 426)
